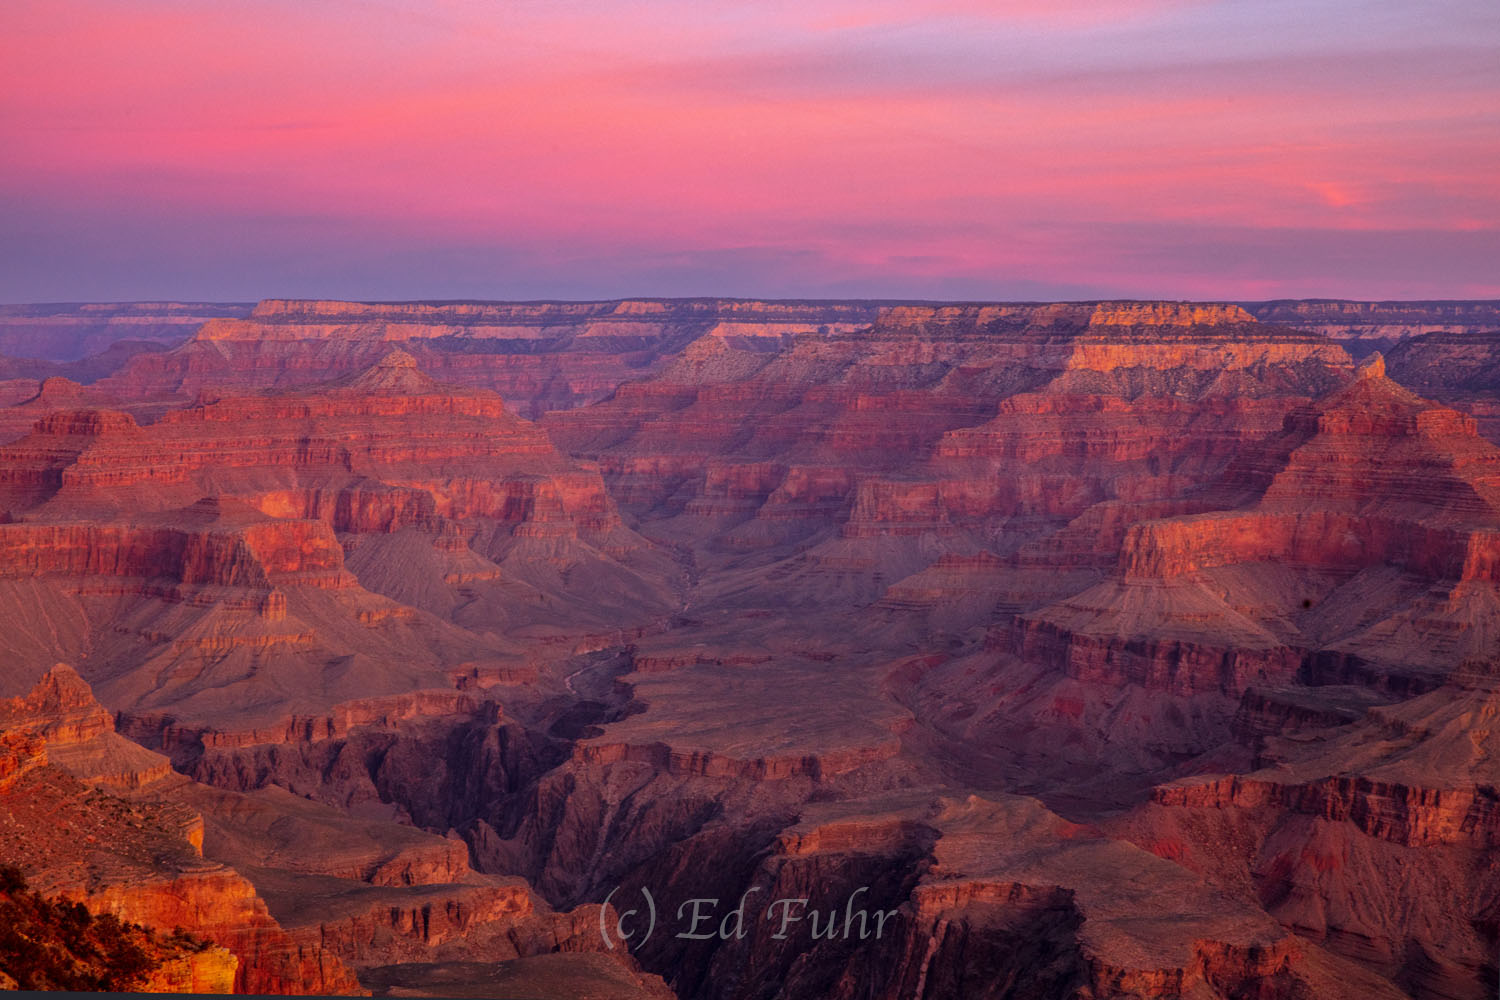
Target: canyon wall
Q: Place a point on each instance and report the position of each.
(1135, 649)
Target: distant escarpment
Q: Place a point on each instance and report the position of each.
(785, 430)
(64, 332)
(539, 355)
(1379, 326)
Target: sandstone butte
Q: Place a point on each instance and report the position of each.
(1110, 649)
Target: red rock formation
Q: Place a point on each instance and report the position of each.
(330, 892)
(65, 332)
(58, 944)
(1355, 791)
(1229, 613)
(219, 524)
(1372, 477)
(760, 445)
(1379, 325)
(539, 355)
(139, 858)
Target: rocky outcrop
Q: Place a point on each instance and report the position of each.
(1455, 366)
(370, 891)
(223, 907)
(1411, 817)
(493, 922)
(706, 764)
(60, 722)
(907, 897)
(55, 944)
(342, 719)
(325, 892)
(1371, 477)
(893, 430)
(59, 711)
(19, 753)
(139, 858)
(1180, 666)
(726, 722)
(1350, 783)
(1154, 314)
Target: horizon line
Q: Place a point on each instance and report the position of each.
(868, 300)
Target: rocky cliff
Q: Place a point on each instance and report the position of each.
(70, 331)
(291, 895)
(58, 944)
(1378, 326)
(1136, 649)
(120, 846)
(1373, 480)
(541, 356)
(247, 536)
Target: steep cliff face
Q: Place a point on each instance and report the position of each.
(385, 421)
(1157, 314)
(1363, 569)
(249, 536)
(120, 843)
(60, 711)
(1449, 362)
(322, 891)
(33, 401)
(1372, 480)
(373, 453)
(54, 944)
(1457, 367)
(257, 552)
(904, 895)
(62, 332)
(1350, 788)
(807, 603)
(1378, 326)
(946, 419)
(59, 722)
(541, 356)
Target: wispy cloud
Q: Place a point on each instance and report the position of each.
(788, 146)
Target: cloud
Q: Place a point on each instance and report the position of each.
(942, 146)
(1055, 13)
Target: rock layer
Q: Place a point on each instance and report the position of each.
(1094, 649)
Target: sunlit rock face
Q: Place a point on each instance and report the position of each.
(1108, 649)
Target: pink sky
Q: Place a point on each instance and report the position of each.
(958, 149)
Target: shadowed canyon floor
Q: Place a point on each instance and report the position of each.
(1085, 650)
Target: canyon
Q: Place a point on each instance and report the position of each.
(1102, 649)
